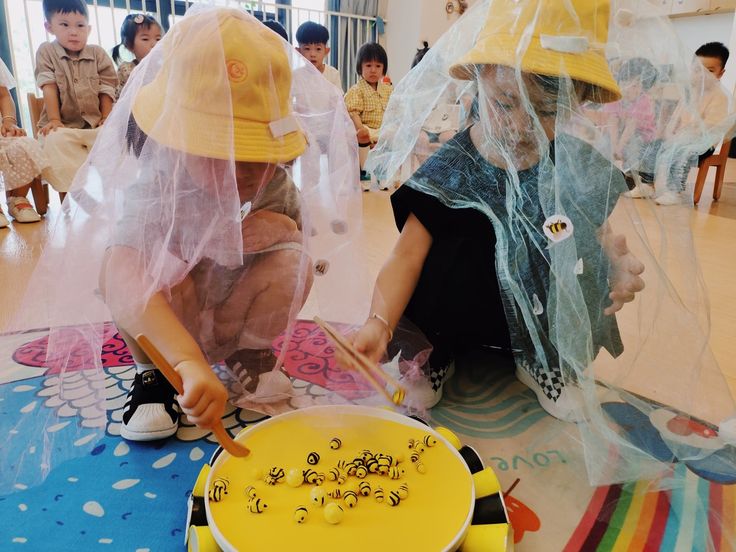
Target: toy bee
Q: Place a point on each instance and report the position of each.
(396, 472)
(313, 458)
(385, 459)
(394, 498)
(218, 489)
(378, 494)
(419, 446)
(333, 513)
(335, 443)
(336, 474)
(350, 498)
(372, 465)
(420, 467)
(403, 491)
(361, 472)
(414, 457)
(398, 396)
(557, 226)
(411, 443)
(256, 506)
(429, 440)
(364, 488)
(274, 475)
(250, 491)
(294, 478)
(313, 477)
(365, 455)
(318, 496)
(334, 493)
(301, 514)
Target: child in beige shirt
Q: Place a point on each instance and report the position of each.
(78, 83)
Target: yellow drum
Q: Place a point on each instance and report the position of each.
(335, 478)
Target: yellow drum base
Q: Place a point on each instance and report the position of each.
(246, 512)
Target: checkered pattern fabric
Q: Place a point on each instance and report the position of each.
(550, 380)
(367, 103)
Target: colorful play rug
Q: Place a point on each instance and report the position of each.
(132, 496)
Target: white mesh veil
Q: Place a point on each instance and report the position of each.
(217, 184)
(545, 90)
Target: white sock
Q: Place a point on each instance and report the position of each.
(140, 367)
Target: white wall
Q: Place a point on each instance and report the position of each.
(409, 23)
(697, 30)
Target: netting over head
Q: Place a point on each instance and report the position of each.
(6, 77)
(223, 186)
(558, 105)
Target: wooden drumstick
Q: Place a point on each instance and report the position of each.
(363, 364)
(223, 437)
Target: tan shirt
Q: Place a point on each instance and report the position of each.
(80, 80)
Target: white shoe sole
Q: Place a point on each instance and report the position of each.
(553, 408)
(131, 435)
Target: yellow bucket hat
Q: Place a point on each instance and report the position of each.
(223, 91)
(546, 37)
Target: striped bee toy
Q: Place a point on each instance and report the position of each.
(219, 489)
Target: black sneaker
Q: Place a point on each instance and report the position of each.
(151, 411)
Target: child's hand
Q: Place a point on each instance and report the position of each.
(11, 129)
(51, 126)
(371, 340)
(204, 395)
(364, 135)
(626, 280)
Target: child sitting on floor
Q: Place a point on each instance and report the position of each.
(78, 81)
(139, 34)
(21, 158)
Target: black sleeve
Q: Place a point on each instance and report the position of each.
(437, 218)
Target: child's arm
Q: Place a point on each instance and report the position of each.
(629, 129)
(105, 107)
(53, 108)
(354, 105)
(108, 83)
(356, 121)
(204, 396)
(7, 111)
(46, 81)
(394, 287)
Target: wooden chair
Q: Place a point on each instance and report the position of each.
(39, 189)
(717, 160)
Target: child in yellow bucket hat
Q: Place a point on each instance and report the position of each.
(212, 130)
(491, 249)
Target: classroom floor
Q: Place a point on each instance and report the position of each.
(537, 458)
(713, 224)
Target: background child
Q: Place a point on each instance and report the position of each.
(78, 83)
(631, 121)
(367, 100)
(21, 159)
(139, 34)
(278, 28)
(313, 39)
